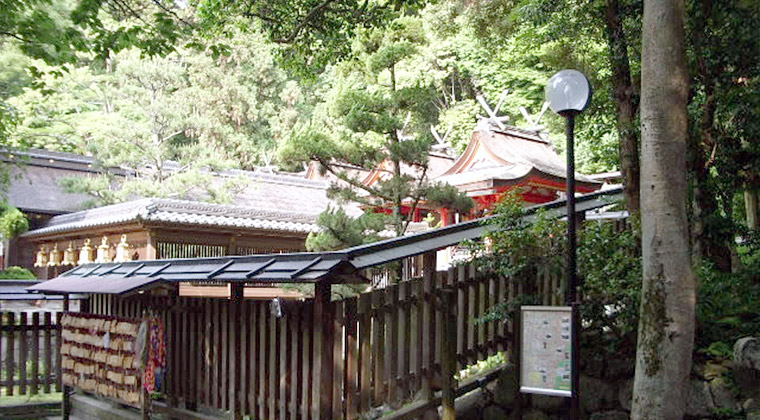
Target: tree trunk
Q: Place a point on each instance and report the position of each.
(626, 106)
(750, 207)
(666, 323)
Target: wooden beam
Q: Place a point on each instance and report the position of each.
(232, 245)
(236, 296)
(223, 292)
(428, 323)
(322, 386)
(151, 252)
(448, 355)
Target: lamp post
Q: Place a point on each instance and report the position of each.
(569, 93)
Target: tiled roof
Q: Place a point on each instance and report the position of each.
(35, 188)
(179, 212)
(34, 180)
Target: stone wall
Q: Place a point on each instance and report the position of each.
(717, 390)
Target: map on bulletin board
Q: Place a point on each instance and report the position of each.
(546, 350)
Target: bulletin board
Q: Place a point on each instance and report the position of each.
(546, 350)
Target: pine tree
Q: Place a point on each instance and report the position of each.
(376, 115)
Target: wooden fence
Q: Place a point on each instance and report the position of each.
(237, 356)
(390, 341)
(29, 357)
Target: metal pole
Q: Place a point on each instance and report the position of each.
(572, 299)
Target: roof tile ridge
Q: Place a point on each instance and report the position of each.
(228, 210)
(50, 154)
(278, 178)
(522, 133)
(96, 212)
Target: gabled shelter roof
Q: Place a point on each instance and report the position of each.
(338, 266)
(115, 278)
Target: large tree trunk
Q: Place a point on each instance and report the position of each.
(666, 324)
(626, 105)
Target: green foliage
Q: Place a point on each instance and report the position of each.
(609, 261)
(375, 114)
(17, 273)
(727, 308)
(609, 266)
(12, 222)
(531, 40)
(339, 230)
(516, 245)
(491, 362)
(315, 33)
(718, 350)
(170, 120)
(723, 119)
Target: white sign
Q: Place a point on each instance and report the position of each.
(546, 350)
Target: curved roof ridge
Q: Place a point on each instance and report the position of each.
(278, 178)
(166, 210)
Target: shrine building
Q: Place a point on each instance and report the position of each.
(274, 214)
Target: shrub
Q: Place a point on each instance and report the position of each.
(12, 221)
(17, 273)
(727, 308)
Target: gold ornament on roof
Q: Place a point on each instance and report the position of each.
(42, 257)
(69, 255)
(122, 250)
(103, 254)
(85, 254)
(55, 257)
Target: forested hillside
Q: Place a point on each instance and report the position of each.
(232, 97)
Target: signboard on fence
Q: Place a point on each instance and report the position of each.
(545, 337)
(99, 354)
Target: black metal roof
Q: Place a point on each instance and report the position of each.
(307, 267)
(115, 278)
(17, 290)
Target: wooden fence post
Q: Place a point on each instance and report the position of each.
(236, 297)
(23, 352)
(428, 324)
(516, 356)
(65, 405)
(448, 354)
(145, 403)
(322, 386)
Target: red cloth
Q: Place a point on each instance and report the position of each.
(156, 354)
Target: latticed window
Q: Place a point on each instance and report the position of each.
(184, 250)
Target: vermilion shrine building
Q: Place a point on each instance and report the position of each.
(495, 161)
